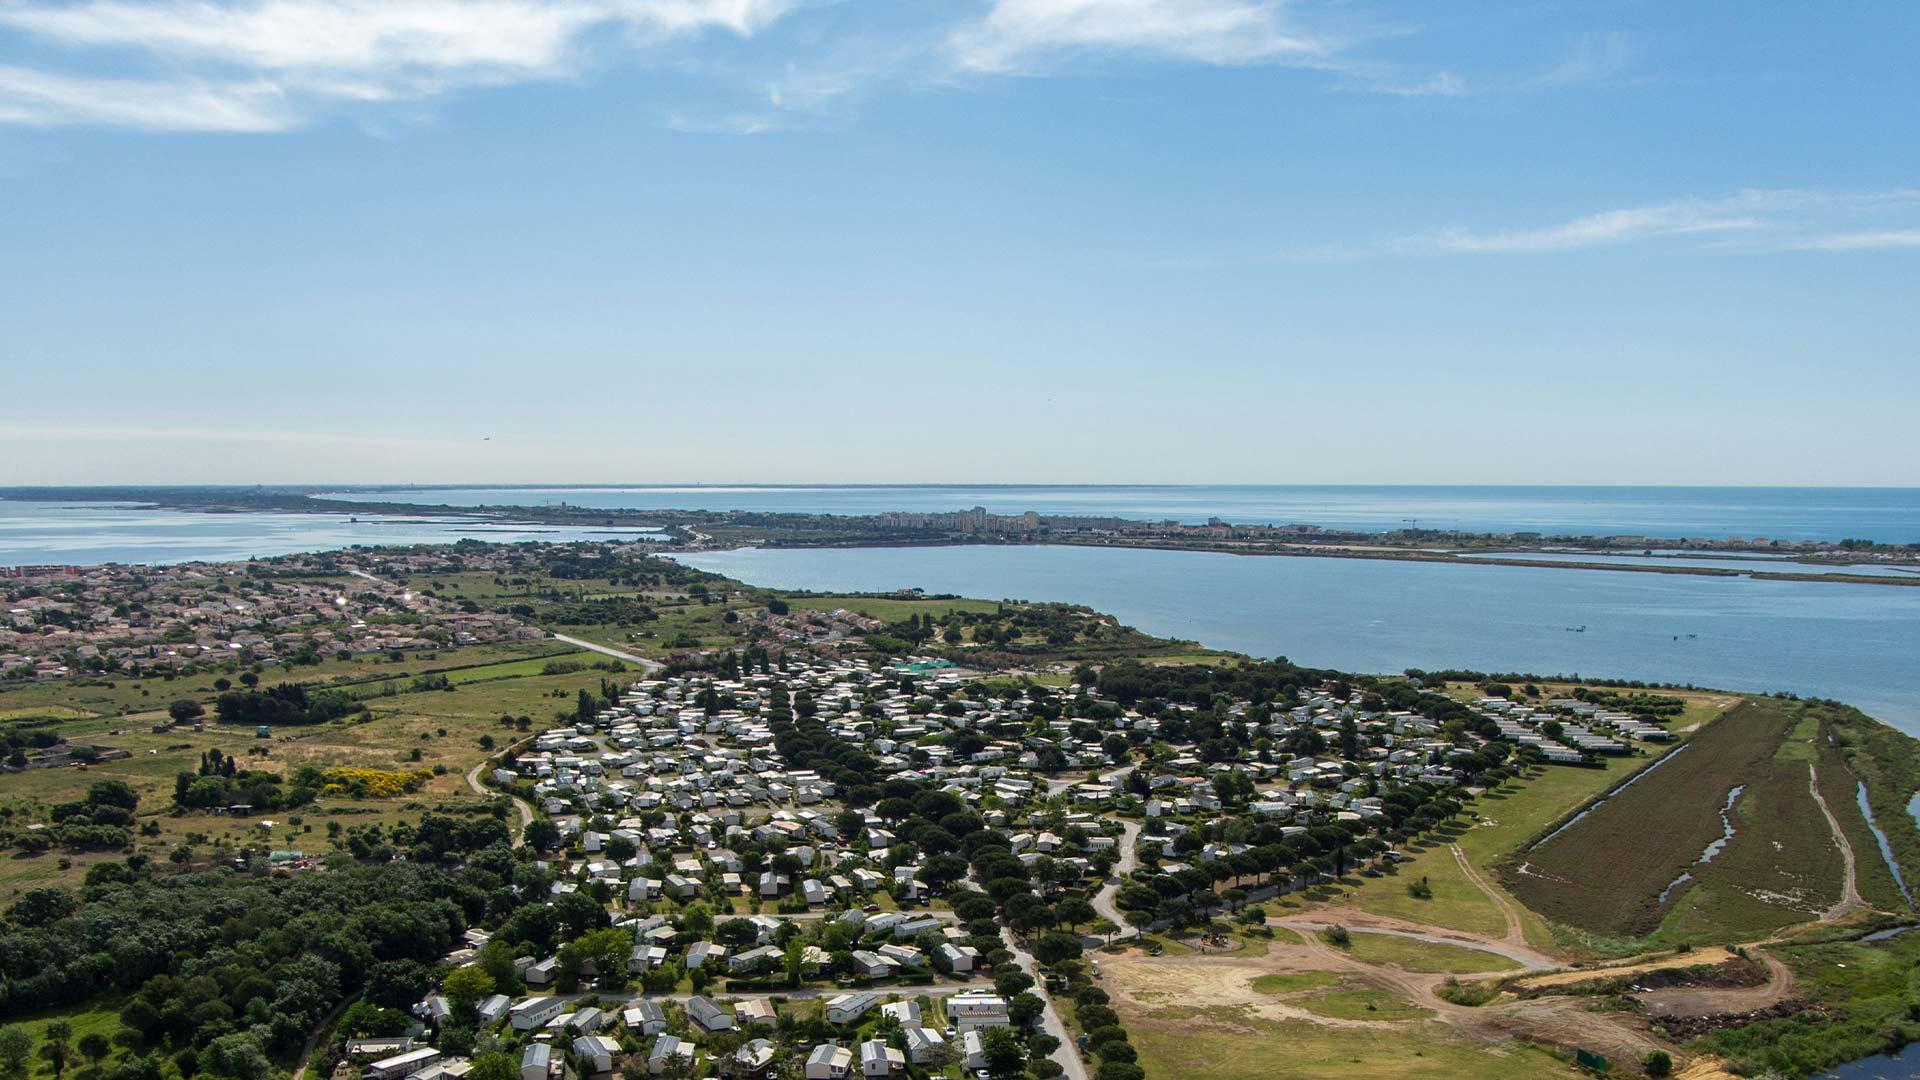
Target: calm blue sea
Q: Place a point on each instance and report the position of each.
(1887, 515)
(87, 533)
(1851, 642)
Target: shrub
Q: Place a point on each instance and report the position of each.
(374, 783)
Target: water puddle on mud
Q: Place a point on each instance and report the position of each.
(1712, 849)
(1886, 849)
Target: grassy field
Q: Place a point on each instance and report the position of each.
(124, 697)
(1228, 1044)
(1425, 956)
(443, 727)
(1887, 762)
(1507, 817)
(1362, 1003)
(890, 609)
(102, 1017)
(1292, 982)
(1779, 867)
(1456, 903)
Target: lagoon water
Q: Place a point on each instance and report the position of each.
(86, 533)
(1886, 515)
(1904, 1065)
(1857, 643)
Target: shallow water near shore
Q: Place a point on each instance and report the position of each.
(42, 533)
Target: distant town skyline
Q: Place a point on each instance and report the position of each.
(1070, 241)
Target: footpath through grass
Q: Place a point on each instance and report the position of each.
(1506, 818)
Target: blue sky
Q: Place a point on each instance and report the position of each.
(979, 240)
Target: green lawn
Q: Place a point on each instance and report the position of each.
(113, 699)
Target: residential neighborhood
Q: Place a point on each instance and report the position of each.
(770, 847)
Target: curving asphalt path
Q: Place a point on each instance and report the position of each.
(1067, 1054)
(1103, 901)
(526, 812)
(1525, 959)
(607, 650)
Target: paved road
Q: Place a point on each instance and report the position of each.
(1525, 959)
(645, 664)
(313, 1038)
(606, 650)
(937, 990)
(526, 812)
(1103, 903)
(1067, 1054)
(804, 916)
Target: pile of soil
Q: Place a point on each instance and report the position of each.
(1735, 974)
(1683, 1029)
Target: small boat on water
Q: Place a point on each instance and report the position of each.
(1581, 629)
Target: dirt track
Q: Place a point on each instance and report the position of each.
(1850, 900)
(1703, 1001)
(1516, 936)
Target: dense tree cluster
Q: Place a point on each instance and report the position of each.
(284, 705)
(804, 741)
(222, 781)
(100, 821)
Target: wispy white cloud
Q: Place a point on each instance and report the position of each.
(1753, 219)
(1595, 58)
(38, 98)
(309, 53)
(740, 123)
(1884, 240)
(1440, 84)
(263, 65)
(1684, 218)
(1022, 35)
